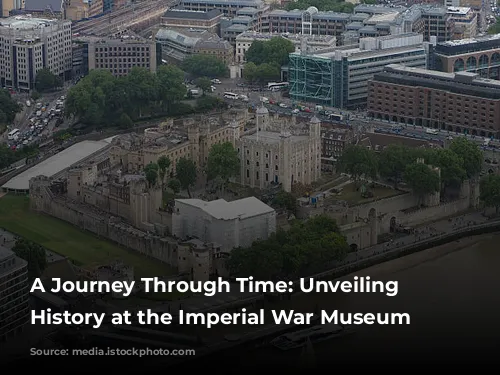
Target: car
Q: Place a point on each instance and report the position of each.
(216, 81)
(283, 105)
(295, 111)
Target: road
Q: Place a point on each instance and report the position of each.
(354, 119)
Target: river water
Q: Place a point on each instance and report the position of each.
(452, 293)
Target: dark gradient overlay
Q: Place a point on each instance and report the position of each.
(452, 296)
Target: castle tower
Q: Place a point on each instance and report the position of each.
(286, 154)
(194, 144)
(235, 131)
(262, 118)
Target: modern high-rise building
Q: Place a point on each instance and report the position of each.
(28, 45)
(14, 293)
(338, 77)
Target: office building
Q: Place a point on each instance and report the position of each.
(14, 294)
(177, 44)
(479, 55)
(465, 21)
(339, 77)
(225, 224)
(227, 7)
(119, 54)
(460, 102)
(182, 18)
(28, 45)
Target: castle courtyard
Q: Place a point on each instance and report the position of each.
(85, 249)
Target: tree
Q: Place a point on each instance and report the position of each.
(471, 155)
(250, 72)
(305, 248)
(422, 179)
(209, 103)
(490, 191)
(451, 165)
(185, 171)
(204, 84)
(163, 165)
(8, 107)
(393, 161)
(101, 99)
(204, 66)
(175, 185)
(125, 121)
(359, 162)
(274, 51)
(45, 80)
(34, 254)
(151, 172)
(286, 200)
(223, 162)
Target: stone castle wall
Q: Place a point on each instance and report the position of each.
(163, 249)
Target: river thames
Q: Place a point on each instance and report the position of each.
(451, 293)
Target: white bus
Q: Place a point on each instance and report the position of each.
(13, 134)
(273, 86)
(231, 95)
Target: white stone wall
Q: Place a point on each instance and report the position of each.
(189, 221)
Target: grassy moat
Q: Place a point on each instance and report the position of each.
(82, 247)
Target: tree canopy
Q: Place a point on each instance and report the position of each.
(163, 166)
(274, 51)
(422, 179)
(8, 107)
(261, 73)
(185, 172)
(204, 84)
(471, 155)
(151, 171)
(393, 161)
(324, 5)
(204, 66)
(46, 80)
(359, 162)
(101, 99)
(9, 156)
(34, 254)
(305, 248)
(223, 162)
(490, 191)
(451, 165)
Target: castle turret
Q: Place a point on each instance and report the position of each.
(262, 118)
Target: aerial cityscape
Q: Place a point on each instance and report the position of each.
(201, 140)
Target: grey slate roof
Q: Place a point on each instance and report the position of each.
(56, 5)
(186, 14)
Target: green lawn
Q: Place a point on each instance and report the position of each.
(63, 238)
(352, 196)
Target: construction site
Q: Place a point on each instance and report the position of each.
(136, 16)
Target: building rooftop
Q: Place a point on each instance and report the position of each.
(243, 3)
(25, 22)
(273, 137)
(463, 83)
(55, 5)
(192, 14)
(56, 164)
(459, 11)
(223, 210)
(174, 35)
(461, 42)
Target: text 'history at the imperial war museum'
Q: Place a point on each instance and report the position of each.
(210, 289)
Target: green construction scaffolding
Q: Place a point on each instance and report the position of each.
(312, 79)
